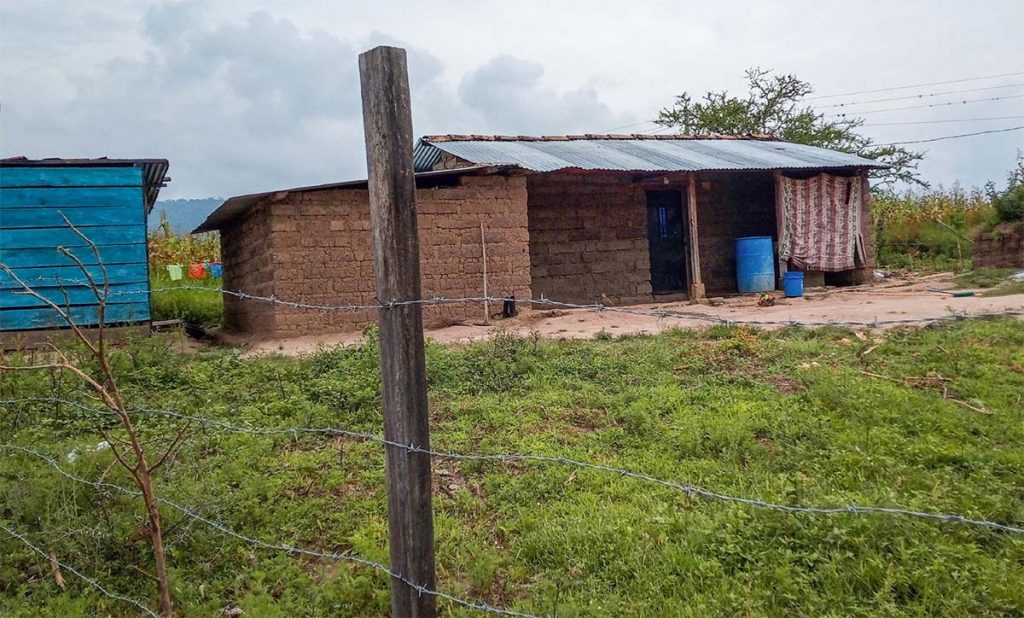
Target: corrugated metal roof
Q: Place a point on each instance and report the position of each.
(634, 153)
(154, 171)
(236, 206)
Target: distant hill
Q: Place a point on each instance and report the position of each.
(183, 215)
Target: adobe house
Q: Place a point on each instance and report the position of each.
(627, 218)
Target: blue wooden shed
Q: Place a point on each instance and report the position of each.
(108, 201)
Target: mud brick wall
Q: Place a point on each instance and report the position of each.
(1000, 248)
(588, 237)
(728, 207)
(321, 253)
(451, 250)
(247, 258)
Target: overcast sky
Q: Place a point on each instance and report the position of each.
(246, 96)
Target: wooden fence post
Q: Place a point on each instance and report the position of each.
(387, 122)
(697, 289)
(780, 226)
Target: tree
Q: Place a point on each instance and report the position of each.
(773, 107)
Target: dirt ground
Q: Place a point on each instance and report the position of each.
(895, 298)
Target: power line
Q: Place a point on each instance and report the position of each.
(626, 126)
(894, 109)
(892, 124)
(939, 139)
(855, 92)
(662, 129)
(922, 95)
(952, 81)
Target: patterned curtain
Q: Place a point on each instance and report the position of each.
(822, 222)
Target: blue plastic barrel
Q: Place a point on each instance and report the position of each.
(793, 284)
(755, 264)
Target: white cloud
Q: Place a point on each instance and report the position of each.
(259, 103)
(247, 95)
(509, 95)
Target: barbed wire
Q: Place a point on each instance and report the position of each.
(67, 567)
(598, 307)
(686, 488)
(290, 549)
(555, 304)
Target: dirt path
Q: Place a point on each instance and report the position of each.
(894, 299)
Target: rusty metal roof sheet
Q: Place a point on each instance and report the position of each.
(634, 152)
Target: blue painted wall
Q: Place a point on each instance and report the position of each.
(106, 203)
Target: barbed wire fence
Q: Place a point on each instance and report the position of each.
(690, 490)
(661, 313)
(505, 458)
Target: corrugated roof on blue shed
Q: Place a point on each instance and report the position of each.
(107, 201)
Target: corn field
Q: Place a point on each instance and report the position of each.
(930, 231)
(166, 247)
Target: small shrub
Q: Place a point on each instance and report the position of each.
(1009, 204)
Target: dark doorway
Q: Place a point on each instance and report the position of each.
(667, 241)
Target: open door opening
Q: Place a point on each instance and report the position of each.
(666, 240)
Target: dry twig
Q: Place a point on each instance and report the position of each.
(134, 457)
(932, 380)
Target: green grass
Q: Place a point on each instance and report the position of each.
(995, 281)
(1006, 289)
(195, 306)
(785, 416)
(984, 277)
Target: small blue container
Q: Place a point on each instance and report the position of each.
(755, 264)
(793, 284)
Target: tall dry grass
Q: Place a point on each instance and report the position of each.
(930, 230)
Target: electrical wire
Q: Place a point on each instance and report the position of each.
(943, 83)
(893, 124)
(895, 109)
(627, 126)
(922, 95)
(945, 137)
(856, 92)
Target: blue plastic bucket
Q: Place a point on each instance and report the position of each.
(755, 264)
(793, 284)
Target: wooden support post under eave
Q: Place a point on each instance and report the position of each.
(780, 225)
(387, 122)
(696, 285)
(866, 227)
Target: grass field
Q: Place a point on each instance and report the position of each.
(992, 281)
(786, 416)
(173, 300)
